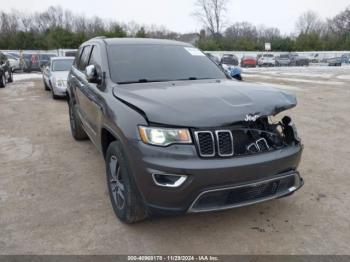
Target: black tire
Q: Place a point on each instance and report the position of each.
(126, 200)
(10, 79)
(46, 86)
(2, 81)
(76, 125)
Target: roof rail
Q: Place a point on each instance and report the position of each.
(99, 37)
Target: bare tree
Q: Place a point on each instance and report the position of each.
(268, 33)
(211, 14)
(242, 30)
(309, 22)
(341, 22)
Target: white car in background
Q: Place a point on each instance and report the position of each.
(14, 62)
(266, 60)
(55, 75)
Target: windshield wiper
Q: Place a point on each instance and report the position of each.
(144, 80)
(191, 78)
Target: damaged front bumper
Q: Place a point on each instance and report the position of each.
(208, 175)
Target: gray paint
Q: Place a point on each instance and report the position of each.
(204, 103)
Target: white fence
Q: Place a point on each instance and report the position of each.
(320, 55)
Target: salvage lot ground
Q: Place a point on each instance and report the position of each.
(53, 197)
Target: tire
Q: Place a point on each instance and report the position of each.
(76, 125)
(2, 81)
(126, 200)
(10, 79)
(46, 86)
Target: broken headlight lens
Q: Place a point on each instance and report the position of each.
(164, 136)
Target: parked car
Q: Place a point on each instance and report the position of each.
(234, 71)
(5, 70)
(296, 60)
(44, 59)
(334, 61)
(214, 58)
(35, 62)
(55, 75)
(345, 58)
(228, 59)
(14, 62)
(266, 60)
(177, 134)
(282, 60)
(248, 61)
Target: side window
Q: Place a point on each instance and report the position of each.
(84, 59)
(77, 58)
(95, 58)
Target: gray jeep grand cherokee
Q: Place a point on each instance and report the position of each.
(178, 135)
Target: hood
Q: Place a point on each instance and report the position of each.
(60, 75)
(204, 103)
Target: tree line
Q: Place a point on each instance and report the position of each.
(60, 28)
(311, 32)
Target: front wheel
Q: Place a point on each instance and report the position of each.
(2, 80)
(10, 78)
(46, 86)
(124, 195)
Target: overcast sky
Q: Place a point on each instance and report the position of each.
(176, 14)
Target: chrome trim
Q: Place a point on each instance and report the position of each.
(218, 142)
(251, 145)
(264, 140)
(179, 182)
(198, 144)
(297, 185)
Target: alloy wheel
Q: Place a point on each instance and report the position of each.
(116, 182)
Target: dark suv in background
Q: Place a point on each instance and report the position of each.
(177, 134)
(5, 70)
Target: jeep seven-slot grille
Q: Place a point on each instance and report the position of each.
(228, 143)
(206, 145)
(225, 143)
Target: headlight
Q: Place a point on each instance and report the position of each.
(164, 136)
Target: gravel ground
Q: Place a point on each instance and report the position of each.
(53, 197)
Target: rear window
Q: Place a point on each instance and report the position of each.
(152, 63)
(268, 55)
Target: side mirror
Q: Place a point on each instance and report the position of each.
(91, 74)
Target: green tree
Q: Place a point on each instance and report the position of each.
(141, 33)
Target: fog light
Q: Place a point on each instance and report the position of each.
(166, 180)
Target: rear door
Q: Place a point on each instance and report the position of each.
(88, 94)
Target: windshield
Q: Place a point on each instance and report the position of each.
(267, 55)
(156, 63)
(62, 65)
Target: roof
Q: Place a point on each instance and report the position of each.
(62, 58)
(140, 41)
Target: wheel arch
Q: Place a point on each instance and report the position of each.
(107, 137)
